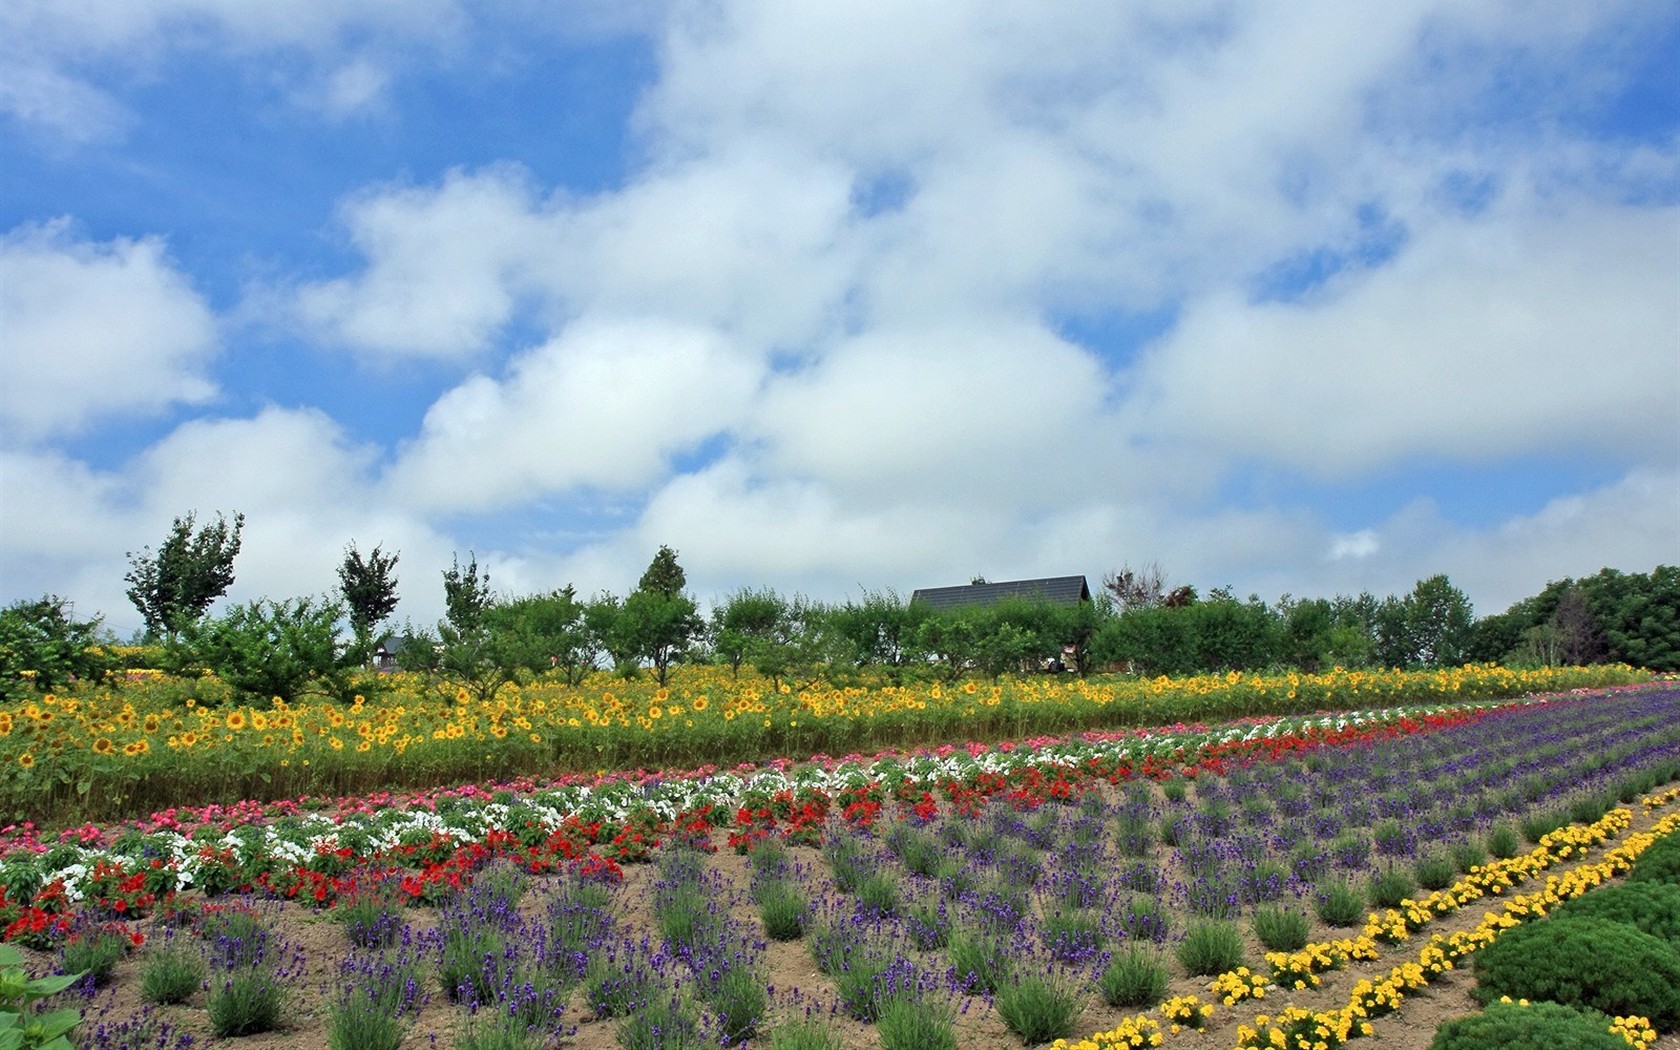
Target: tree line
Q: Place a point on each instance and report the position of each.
(1137, 624)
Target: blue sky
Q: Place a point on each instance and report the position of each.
(831, 297)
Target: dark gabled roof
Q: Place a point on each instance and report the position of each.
(1061, 590)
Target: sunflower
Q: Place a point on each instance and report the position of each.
(26, 760)
(236, 720)
(102, 746)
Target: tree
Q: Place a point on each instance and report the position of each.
(370, 593)
(191, 569)
(543, 632)
(1144, 588)
(743, 624)
(44, 645)
(1438, 619)
(657, 621)
(664, 576)
(466, 595)
(268, 649)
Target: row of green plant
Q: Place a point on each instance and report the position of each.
(1562, 983)
(286, 647)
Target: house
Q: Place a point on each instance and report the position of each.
(385, 653)
(1060, 590)
(1057, 590)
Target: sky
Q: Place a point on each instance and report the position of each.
(1307, 298)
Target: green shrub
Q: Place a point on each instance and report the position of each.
(94, 952)
(979, 960)
(907, 1023)
(805, 1034)
(1210, 948)
(1650, 906)
(1038, 1009)
(781, 906)
(1468, 854)
(1390, 887)
(1339, 903)
(1584, 962)
(1135, 977)
(1503, 842)
(171, 974)
(1537, 826)
(246, 1002)
(1537, 1026)
(1435, 871)
(1281, 929)
(1659, 863)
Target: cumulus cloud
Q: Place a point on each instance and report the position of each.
(305, 488)
(1524, 330)
(445, 270)
(96, 330)
(604, 405)
(815, 338)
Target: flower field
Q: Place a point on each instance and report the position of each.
(1279, 881)
(110, 751)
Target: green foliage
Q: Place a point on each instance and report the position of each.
(979, 960)
(743, 624)
(1650, 906)
(191, 569)
(1584, 962)
(907, 1023)
(543, 632)
(266, 649)
(1340, 903)
(1134, 978)
(665, 1023)
(1281, 929)
(663, 575)
(172, 973)
(370, 592)
(1219, 634)
(1503, 842)
(20, 1026)
(1389, 887)
(1210, 948)
(43, 646)
(1659, 863)
(1038, 1009)
(657, 622)
(94, 953)
(1434, 871)
(804, 1034)
(246, 1002)
(1536, 1026)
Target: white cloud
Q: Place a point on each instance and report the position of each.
(1002, 411)
(603, 405)
(445, 268)
(94, 331)
(1521, 332)
(305, 490)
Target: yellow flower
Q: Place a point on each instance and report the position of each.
(236, 720)
(700, 703)
(102, 746)
(26, 760)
